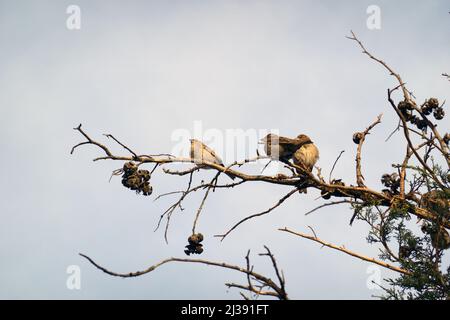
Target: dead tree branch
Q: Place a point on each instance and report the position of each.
(290, 193)
(334, 165)
(343, 249)
(305, 180)
(277, 290)
(361, 136)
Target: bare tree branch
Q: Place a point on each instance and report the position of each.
(342, 249)
(406, 93)
(332, 203)
(278, 290)
(290, 193)
(305, 180)
(361, 138)
(334, 164)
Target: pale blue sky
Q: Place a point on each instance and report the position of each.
(143, 69)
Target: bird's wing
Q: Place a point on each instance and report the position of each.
(302, 140)
(198, 148)
(212, 153)
(286, 140)
(289, 145)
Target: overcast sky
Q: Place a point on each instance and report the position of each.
(142, 70)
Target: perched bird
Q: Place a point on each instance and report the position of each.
(200, 153)
(307, 154)
(280, 148)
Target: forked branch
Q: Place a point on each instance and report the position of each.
(257, 283)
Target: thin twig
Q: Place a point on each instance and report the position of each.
(406, 93)
(197, 215)
(290, 193)
(331, 204)
(334, 164)
(121, 144)
(395, 130)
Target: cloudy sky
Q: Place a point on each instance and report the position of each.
(143, 70)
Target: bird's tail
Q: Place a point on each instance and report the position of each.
(232, 177)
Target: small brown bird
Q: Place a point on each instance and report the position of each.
(280, 148)
(200, 153)
(307, 155)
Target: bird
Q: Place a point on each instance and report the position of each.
(280, 148)
(201, 153)
(307, 154)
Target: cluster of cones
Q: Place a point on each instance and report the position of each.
(135, 179)
(391, 181)
(194, 246)
(431, 106)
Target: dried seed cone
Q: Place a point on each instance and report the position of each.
(439, 113)
(325, 194)
(195, 238)
(433, 103)
(436, 201)
(421, 125)
(440, 239)
(133, 182)
(357, 137)
(144, 174)
(427, 110)
(129, 168)
(199, 249)
(405, 105)
(146, 189)
(447, 138)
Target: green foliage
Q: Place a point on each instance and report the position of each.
(418, 247)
